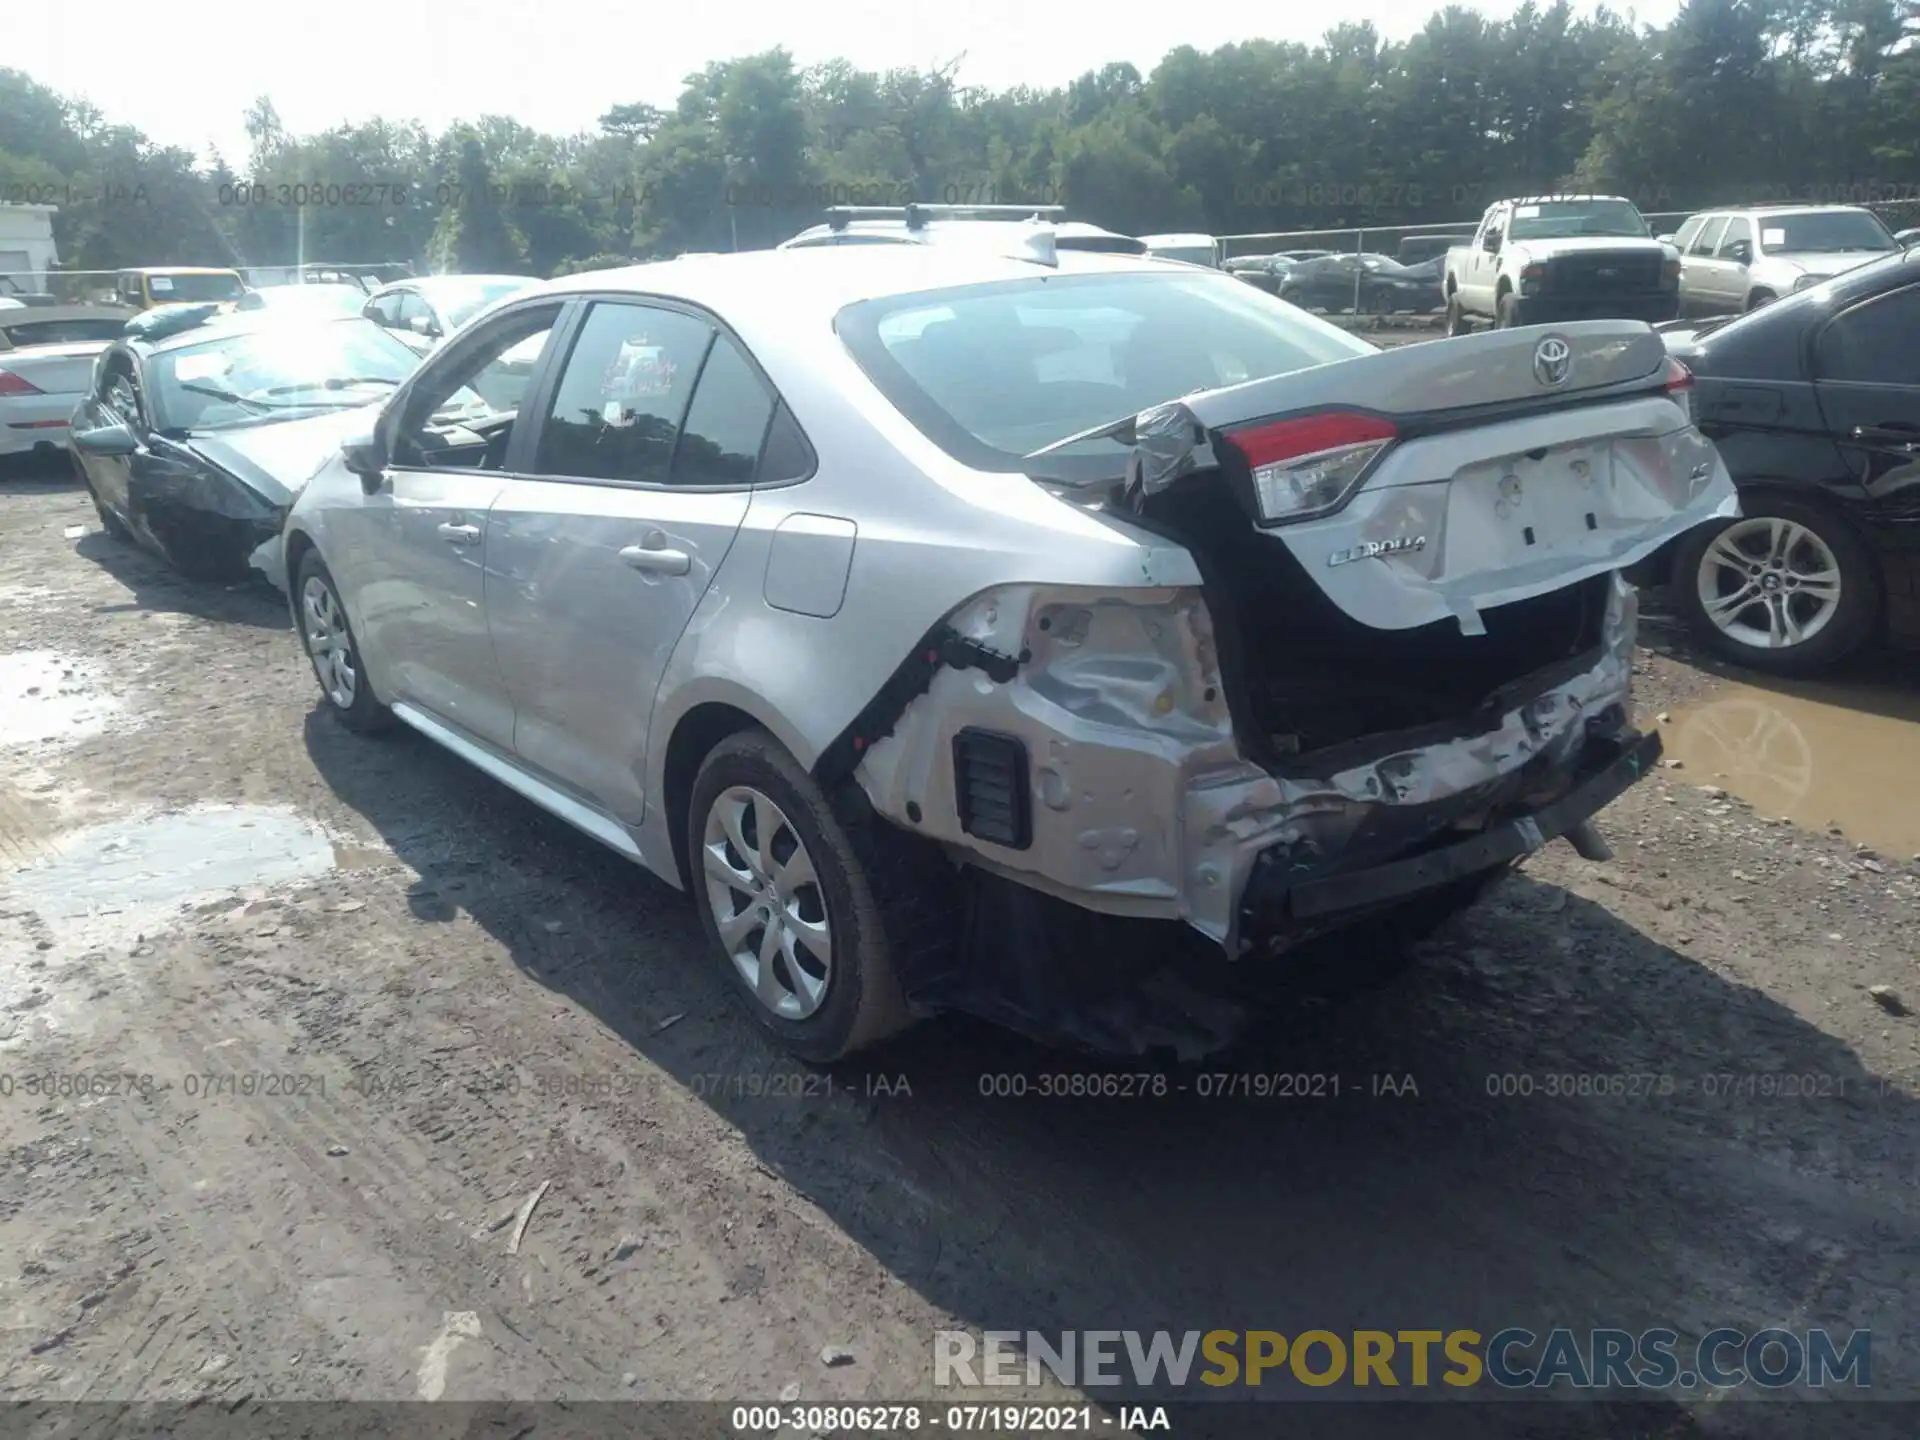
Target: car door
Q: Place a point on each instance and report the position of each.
(384, 309)
(1698, 268)
(418, 326)
(415, 581)
(1682, 238)
(1483, 265)
(1731, 274)
(1867, 377)
(642, 476)
(113, 398)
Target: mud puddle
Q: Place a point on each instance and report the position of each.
(1823, 755)
(95, 893)
(46, 696)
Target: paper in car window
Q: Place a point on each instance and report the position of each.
(1773, 237)
(159, 282)
(201, 367)
(1527, 212)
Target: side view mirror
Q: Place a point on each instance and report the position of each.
(421, 325)
(1492, 243)
(1664, 239)
(111, 439)
(1741, 252)
(366, 456)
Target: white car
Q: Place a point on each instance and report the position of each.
(986, 226)
(46, 364)
(1026, 632)
(1187, 249)
(424, 311)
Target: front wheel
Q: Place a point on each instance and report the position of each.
(331, 647)
(1787, 588)
(806, 914)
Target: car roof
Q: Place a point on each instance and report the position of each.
(178, 270)
(816, 282)
(33, 314)
(900, 230)
(448, 282)
(1194, 239)
(1552, 199)
(1780, 210)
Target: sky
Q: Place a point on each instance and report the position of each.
(186, 71)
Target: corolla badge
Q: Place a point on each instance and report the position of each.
(1552, 361)
(1372, 549)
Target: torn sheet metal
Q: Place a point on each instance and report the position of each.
(1144, 804)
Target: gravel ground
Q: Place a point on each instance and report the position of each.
(202, 876)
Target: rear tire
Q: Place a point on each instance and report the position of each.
(1759, 298)
(1507, 312)
(327, 636)
(810, 920)
(1715, 564)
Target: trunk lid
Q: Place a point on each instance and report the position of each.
(55, 369)
(1448, 478)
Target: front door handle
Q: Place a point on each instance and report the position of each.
(657, 559)
(460, 534)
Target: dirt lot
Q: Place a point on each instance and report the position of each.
(463, 1005)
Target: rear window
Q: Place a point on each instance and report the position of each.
(168, 289)
(1187, 254)
(64, 332)
(991, 373)
(1824, 232)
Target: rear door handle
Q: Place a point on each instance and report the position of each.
(460, 534)
(657, 559)
(1887, 435)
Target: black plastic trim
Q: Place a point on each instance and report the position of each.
(1012, 750)
(1618, 772)
(912, 678)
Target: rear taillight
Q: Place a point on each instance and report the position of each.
(1670, 271)
(12, 384)
(1535, 271)
(1680, 386)
(1310, 465)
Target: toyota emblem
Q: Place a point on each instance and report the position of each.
(1552, 361)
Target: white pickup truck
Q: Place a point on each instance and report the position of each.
(1542, 259)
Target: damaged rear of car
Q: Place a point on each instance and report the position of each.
(1406, 663)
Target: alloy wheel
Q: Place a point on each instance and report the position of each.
(329, 643)
(1769, 583)
(767, 902)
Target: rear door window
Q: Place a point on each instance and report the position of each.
(1874, 343)
(726, 424)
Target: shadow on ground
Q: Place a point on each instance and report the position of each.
(1393, 1163)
